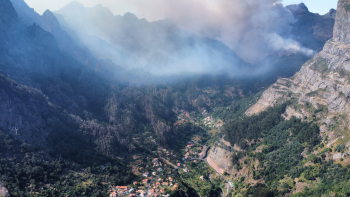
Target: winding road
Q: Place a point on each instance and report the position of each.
(203, 158)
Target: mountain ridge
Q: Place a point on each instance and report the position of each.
(321, 89)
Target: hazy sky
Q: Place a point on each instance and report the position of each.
(122, 6)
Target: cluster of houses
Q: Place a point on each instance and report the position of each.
(157, 174)
(192, 152)
(156, 189)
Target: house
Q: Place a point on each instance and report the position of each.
(162, 190)
(135, 157)
(123, 188)
(155, 160)
(152, 191)
(113, 194)
(179, 165)
(202, 178)
(154, 173)
(165, 184)
(145, 174)
(170, 179)
(176, 185)
(134, 183)
(185, 169)
(195, 161)
(159, 169)
(157, 183)
(132, 194)
(145, 181)
(160, 180)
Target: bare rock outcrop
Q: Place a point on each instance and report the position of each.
(342, 22)
(220, 159)
(3, 191)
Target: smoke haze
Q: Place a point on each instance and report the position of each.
(251, 28)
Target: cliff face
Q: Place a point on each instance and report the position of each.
(321, 89)
(342, 22)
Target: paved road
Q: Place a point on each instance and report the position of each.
(229, 186)
(205, 159)
(149, 185)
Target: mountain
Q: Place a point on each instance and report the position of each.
(319, 92)
(322, 80)
(293, 140)
(160, 47)
(311, 30)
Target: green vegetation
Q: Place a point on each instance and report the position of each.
(320, 65)
(236, 110)
(347, 8)
(28, 171)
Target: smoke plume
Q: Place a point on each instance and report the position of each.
(252, 28)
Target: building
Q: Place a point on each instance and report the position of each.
(145, 181)
(125, 188)
(202, 177)
(159, 169)
(113, 194)
(165, 184)
(145, 174)
(170, 179)
(155, 160)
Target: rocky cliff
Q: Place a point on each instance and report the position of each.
(321, 89)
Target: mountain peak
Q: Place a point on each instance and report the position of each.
(298, 8)
(8, 12)
(342, 22)
(332, 13)
(130, 16)
(75, 4)
(49, 21)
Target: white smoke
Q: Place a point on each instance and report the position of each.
(252, 28)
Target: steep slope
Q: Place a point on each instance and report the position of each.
(321, 87)
(311, 31)
(67, 42)
(159, 46)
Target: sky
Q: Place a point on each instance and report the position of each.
(123, 6)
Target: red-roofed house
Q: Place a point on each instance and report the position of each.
(113, 194)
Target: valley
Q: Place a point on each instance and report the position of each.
(131, 107)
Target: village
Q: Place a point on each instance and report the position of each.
(158, 170)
